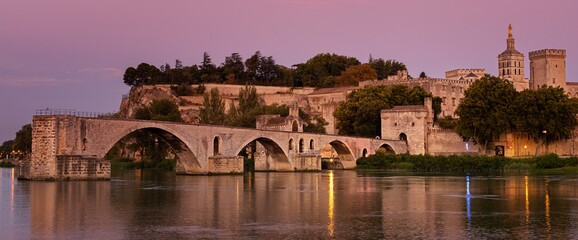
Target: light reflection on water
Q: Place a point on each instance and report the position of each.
(329, 204)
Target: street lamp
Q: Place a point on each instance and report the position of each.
(545, 148)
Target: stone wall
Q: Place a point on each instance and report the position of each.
(305, 162)
(448, 142)
(225, 165)
(74, 167)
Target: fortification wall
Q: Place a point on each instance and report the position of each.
(448, 142)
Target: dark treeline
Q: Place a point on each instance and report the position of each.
(323, 70)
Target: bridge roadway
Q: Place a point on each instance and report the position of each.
(71, 147)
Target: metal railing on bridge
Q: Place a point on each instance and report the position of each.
(72, 112)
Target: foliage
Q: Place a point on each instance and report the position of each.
(143, 74)
(23, 139)
(385, 68)
(355, 74)
(261, 69)
(323, 70)
(233, 68)
(546, 114)
(447, 122)
(159, 110)
(6, 148)
(320, 70)
(485, 111)
(245, 113)
(6, 164)
(207, 70)
(213, 110)
(428, 163)
(276, 109)
(183, 89)
(314, 124)
(359, 115)
(422, 75)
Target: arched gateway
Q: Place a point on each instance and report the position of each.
(70, 147)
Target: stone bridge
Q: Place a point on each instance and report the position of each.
(71, 147)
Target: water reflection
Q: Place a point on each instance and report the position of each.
(333, 204)
(331, 225)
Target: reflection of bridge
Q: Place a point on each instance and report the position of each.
(70, 147)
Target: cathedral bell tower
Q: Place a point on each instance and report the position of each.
(511, 63)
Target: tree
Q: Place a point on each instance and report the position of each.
(355, 74)
(245, 113)
(142, 75)
(321, 70)
(422, 75)
(234, 69)
(485, 111)
(159, 110)
(386, 68)
(6, 148)
(262, 70)
(23, 139)
(213, 110)
(314, 124)
(546, 114)
(208, 71)
(359, 115)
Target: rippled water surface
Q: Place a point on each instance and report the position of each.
(320, 205)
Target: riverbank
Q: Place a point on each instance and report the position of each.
(466, 164)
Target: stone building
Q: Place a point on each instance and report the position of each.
(511, 64)
(291, 123)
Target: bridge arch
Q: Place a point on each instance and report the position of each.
(269, 153)
(340, 155)
(387, 148)
(187, 161)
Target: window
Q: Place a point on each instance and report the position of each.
(216, 145)
(444, 100)
(300, 145)
(311, 145)
(291, 144)
(454, 101)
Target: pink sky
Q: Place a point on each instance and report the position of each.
(72, 54)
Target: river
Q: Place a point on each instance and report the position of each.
(149, 204)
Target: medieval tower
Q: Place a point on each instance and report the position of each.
(548, 67)
(511, 64)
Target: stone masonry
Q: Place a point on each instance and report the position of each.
(70, 147)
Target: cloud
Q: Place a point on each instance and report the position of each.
(33, 81)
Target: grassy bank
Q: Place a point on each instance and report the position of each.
(465, 164)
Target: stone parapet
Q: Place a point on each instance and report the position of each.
(548, 52)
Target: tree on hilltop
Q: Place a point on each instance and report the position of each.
(355, 74)
(386, 68)
(321, 70)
